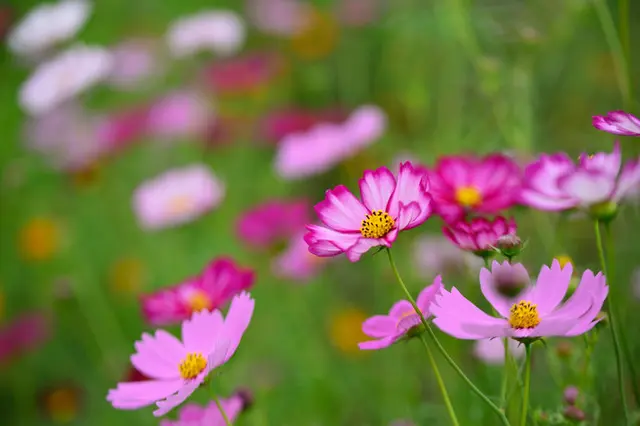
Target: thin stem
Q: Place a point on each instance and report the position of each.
(505, 375)
(527, 385)
(441, 385)
(442, 350)
(224, 415)
(613, 325)
(623, 31)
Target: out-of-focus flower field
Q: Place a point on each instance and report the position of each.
(159, 158)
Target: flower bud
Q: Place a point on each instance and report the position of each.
(247, 398)
(510, 281)
(509, 245)
(604, 212)
(574, 413)
(570, 395)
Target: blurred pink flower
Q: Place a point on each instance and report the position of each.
(277, 17)
(325, 145)
(479, 234)
(178, 368)
(221, 280)
(119, 130)
(277, 125)
(435, 254)
(179, 114)
(177, 197)
(272, 221)
(243, 73)
(491, 351)
(618, 123)
(460, 185)
(195, 415)
(25, 333)
(389, 205)
(134, 62)
(219, 31)
(401, 321)
(555, 182)
(295, 262)
(358, 13)
(538, 311)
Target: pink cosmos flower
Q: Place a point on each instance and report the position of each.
(296, 262)
(491, 351)
(195, 415)
(179, 114)
(221, 280)
(479, 234)
(243, 73)
(177, 197)
(24, 334)
(389, 205)
(277, 125)
(277, 17)
(401, 321)
(121, 129)
(325, 145)
(435, 254)
(467, 184)
(618, 123)
(555, 182)
(272, 221)
(178, 368)
(538, 310)
(134, 62)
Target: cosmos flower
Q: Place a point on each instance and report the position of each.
(219, 31)
(221, 280)
(177, 197)
(65, 76)
(537, 311)
(325, 145)
(195, 415)
(389, 205)
(48, 25)
(119, 130)
(244, 73)
(295, 262)
(40, 238)
(178, 368)
(434, 254)
(491, 351)
(279, 124)
(479, 235)
(24, 333)
(135, 61)
(272, 221)
(597, 183)
(402, 320)
(487, 185)
(618, 123)
(277, 17)
(180, 114)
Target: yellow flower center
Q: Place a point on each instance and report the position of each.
(192, 365)
(468, 196)
(377, 224)
(179, 204)
(39, 239)
(563, 260)
(524, 315)
(198, 301)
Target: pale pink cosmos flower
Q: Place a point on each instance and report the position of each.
(195, 415)
(325, 145)
(479, 234)
(219, 31)
(618, 123)
(555, 182)
(464, 184)
(177, 197)
(221, 280)
(177, 368)
(25, 333)
(401, 321)
(434, 254)
(180, 114)
(389, 205)
(537, 311)
(277, 17)
(295, 262)
(134, 63)
(272, 221)
(279, 124)
(491, 351)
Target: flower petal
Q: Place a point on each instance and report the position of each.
(172, 401)
(377, 344)
(376, 188)
(550, 288)
(588, 186)
(201, 331)
(428, 295)
(237, 321)
(379, 326)
(341, 210)
(158, 356)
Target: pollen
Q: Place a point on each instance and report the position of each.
(199, 301)
(524, 315)
(180, 204)
(377, 224)
(468, 196)
(192, 365)
(563, 260)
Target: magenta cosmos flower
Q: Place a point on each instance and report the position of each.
(389, 205)
(177, 368)
(537, 311)
(487, 185)
(618, 123)
(221, 280)
(23, 334)
(177, 197)
(295, 262)
(479, 234)
(555, 182)
(195, 415)
(272, 221)
(401, 321)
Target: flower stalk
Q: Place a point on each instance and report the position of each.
(527, 385)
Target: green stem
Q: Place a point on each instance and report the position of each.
(219, 405)
(527, 385)
(623, 31)
(441, 385)
(442, 350)
(505, 375)
(612, 323)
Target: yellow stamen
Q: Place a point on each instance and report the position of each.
(524, 315)
(198, 301)
(192, 365)
(468, 196)
(377, 224)
(180, 204)
(563, 260)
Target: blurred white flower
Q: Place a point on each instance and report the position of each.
(491, 351)
(63, 77)
(134, 62)
(434, 254)
(278, 17)
(47, 25)
(219, 31)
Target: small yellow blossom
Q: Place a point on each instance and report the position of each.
(345, 330)
(39, 239)
(564, 260)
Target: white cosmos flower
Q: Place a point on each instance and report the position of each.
(47, 25)
(219, 31)
(63, 77)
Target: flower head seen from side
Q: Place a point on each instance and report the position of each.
(537, 311)
(221, 280)
(177, 197)
(402, 321)
(479, 235)
(209, 415)
(177, 368)
(597, 183)
(487, 185)
(618, 123)
(389, 205)
(491, 351)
